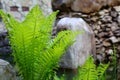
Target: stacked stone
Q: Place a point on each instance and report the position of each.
(106, 26)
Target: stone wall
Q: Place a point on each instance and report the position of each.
(18, 9)
(106, 26)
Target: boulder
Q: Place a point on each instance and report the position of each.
(20, 8)
(6, 71)
(84, 6)
(83, 47)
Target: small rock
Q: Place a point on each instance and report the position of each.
(108, 25)
(94, 19)
(113, 39)
(96, 32)
(98, 46)
(108, 29)
(102, 34)
(103, 49)
(6, 71)
(117, 8)
(114, 14)
(106, 44)
(117, 33)
(114, 26)
(100, 58)
(106, 19)
(101, 12)
(118, 19)
(109, 52)
(110, 33)
(99, 22)
(118, 47)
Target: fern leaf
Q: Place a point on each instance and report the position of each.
(87, 71)
(101, 69)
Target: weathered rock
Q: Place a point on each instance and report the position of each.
(20, 8)
(114, 39)
(114, 26)
(46, 6)
(84, 46)
(117, 8)
(2, 28)
(6, 71)
(85, 6)
(106, 43)
(106, 19)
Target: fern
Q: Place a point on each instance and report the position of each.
(101, 69)
(89, 71)
(35, 53)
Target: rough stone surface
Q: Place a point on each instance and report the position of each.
(19, 8)
(6, 71)
(84, 6)
(106, 27)
(84, 46)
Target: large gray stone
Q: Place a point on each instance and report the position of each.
(84, 46)
(85, 6)
(6, 71)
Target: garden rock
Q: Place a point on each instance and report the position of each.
(6, 71)
(84, 46)
(84, 6)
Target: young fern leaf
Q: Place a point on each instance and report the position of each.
(101, 69)
(87, 71)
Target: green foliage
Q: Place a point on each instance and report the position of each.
(89, 71)
(101, 69)
(35, 53)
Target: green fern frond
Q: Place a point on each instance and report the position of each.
(88, 70)
(35, 53)
(101, 69)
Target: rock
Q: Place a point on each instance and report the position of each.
(84, 6)
(46, 6)
(113, 14)
(114, 26)
(106, 19)
(118, 19)
(117, 32)
(20, 8)
(101, 13)
(117, 8)
(114, 39)
(109, 52)
(106, 43)
(6, 71)
(77, 53)
(2, 28)
(102, 34)
(113, 2)
(100, 58)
